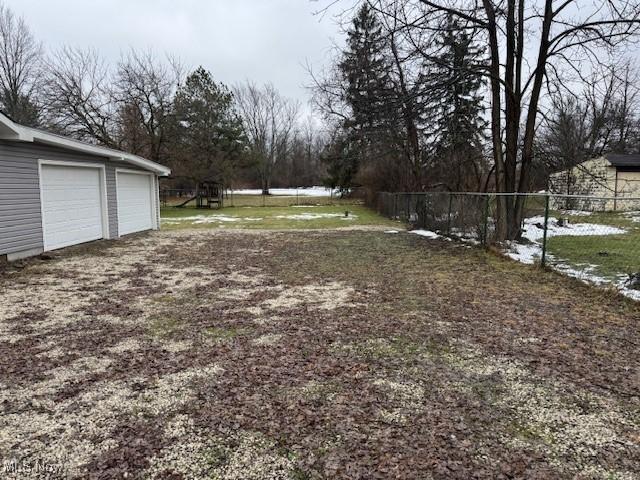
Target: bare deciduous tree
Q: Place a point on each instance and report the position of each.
(144, 89)
(528, 43)
(269, 122)
(79, 96)
(129, 108)
(20, 68)
(604, 117)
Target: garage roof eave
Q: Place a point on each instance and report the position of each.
(623, 160)
(10, 130)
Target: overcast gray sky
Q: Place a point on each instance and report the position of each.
(260, 40)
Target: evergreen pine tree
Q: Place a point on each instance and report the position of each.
(364, 69)
(210, 130)
(453, 88)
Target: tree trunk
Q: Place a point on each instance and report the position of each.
(265, 176)
(530, 128)
(512, 121)
(408, 113)
(496, 122)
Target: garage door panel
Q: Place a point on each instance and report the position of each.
(82, 218)
(62, 175)
(86, 204)
(61, 239)
(135, 205)
(72, 210)
(61, 194)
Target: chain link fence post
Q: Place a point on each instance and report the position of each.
(395, 206)
(543, 258)
(449, 214)
(408, 204)
(485, 226)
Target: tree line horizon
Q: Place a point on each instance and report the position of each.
(462, 95)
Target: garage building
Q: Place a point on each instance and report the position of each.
(614, 177)
(56, 192)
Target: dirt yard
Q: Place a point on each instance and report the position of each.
(303, 355)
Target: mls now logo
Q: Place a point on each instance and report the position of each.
(39, 465)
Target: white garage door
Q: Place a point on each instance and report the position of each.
(71, 205)
(135, 204)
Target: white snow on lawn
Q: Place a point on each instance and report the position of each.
(534, 232)
(218, 218)
(426, 233)
(633, 216)
(585, 274)
(466, 237)
(528, 254)
(301, 191)
(532, 252)
(200, 219)
(315, 216)
(533, 229)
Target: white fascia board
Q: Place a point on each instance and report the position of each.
(10, 130)
(44, 137)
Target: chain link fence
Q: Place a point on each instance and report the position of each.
(596, 239)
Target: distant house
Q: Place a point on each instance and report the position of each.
(56, 191)
(615, 176)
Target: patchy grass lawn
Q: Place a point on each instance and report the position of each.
(233, 354)
(276, 218)
(606, 256)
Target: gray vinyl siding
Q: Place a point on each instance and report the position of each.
(20, 221)
(20, 215)
(156, 192)
(112, 198)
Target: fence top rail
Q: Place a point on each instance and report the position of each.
(519, 194)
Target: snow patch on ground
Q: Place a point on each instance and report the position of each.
(203, 219)
(531, 252)
(426, 233)
(533, 232)
(629, 293)
(585, 273)
(218, 218)
(633, 216)
(430, 234)
(300, 191)
(528, 254)
(315, 216)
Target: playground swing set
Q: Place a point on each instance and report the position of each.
(209, 194)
